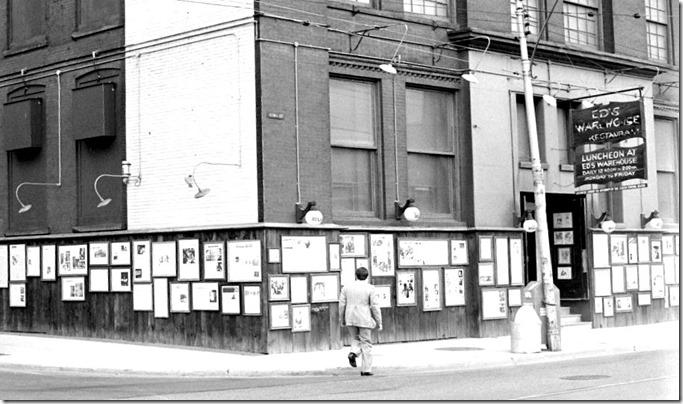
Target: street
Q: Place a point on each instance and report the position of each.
(650, 375)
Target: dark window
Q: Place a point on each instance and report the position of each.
(667, 169)
(523, 129)
(26, 22)
(96, 14)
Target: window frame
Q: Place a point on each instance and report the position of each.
(676, 166)
(660, 23)
(81, 30)
(540, 130)
(36, 41)
(409, 7)
(534, 16)
(582, 4)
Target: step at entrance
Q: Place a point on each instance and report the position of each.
(567, 319)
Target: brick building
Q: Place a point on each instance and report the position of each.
(160, 154)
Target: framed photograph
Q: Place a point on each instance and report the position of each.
(674, 297)
(299, 289)
(669, 262)
(643, 249)
(486, 274)
(632, 244)
(514, 297)
(348, 271)
(214, 260)
(564, 273)
(17, 263)
(598, 305)
(516, 262)
(602, 281)
(120, 253)
(644, 299)
(301, 317)
(279, 316)
(382, 255)
(244, 261)
(405, 288)
(363, 262)
(668, 245)
(98, 280)
(631, 277)
(205, 296)
(564, 256)
(179, 297)
(618, 279)
(99, 253)
(658, 286)
(164, 259)
(619, 249)
(251, 297)
(608, 306)
(73, 288)
(562, 220)
(302, 254)
(188, 265)
(494, 304)
(278, 287)
(568, 236)
(142, 261)
(334, 254)
(17, 295)
(485, 248)
(324, 288)
(353, 245)
(142, 297)
(600, 250)
(121, 280)
(417, 253)
(431, 290)
(644, 280)
(454, 286)
(33, 261)
(160, 297)
(502, 263)
(459, 252)
(656, 246)
(274, 256)
(72, 260)
(383, 293)
(558, 237)
(230, 299)
(49, 262)
(4, 266)
(623, 304)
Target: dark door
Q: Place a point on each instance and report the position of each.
(566, 230)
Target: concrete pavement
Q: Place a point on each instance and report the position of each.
(62, 354)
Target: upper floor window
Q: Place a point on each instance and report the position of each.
(96, 14)
(353, 130)
(430, 117)
(564, 134)
(581, 22)
(26, 22)
(531, 8)
(524, 148)
(667, 169)
(438, 8)
(656, 14)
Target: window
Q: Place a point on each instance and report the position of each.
(580, 22)
(26, 22)
(564, 134)
(657, 26)
(353, 125)
(524, 149)
(437, 8)
(667, 171)
(430, 117)
(95, 14)
(531, 7)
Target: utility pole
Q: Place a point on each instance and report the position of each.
(542, 240)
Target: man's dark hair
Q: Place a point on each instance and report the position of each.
(361, 273)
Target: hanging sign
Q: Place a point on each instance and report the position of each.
(610, 165)
(609, 123)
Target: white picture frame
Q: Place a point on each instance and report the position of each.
(280, 316)
(602, 282)
(632, 244)
(562, 220)
(73, 288)
(674, 296)
(431, 290)
(72, 260)
(160, 292)
(486, 274)
(564, 256)
(205, 296)
(656, 246)
(142, 261)
(278, 287)
(49, 263)
(120, 253)
(618, 279)
(600, 250)
(644, 299)
(17, 295)
(459, 252)
(382, 255)
(214, 261)
(121, 280)
(516, 262)
(304, 254)
(643, 249)
(597, 305)
(454, 287)
(485, 248)
(4, 266)
(33, 261)
(251, 298)
(98, 280)
(274, 256)
(564, 273)
(423, 252)
(644, 279)
(231, 299)
(631, 277)
(17, 262)
(494, 304)
(406, 288)
(324, 287)
(301, 317)
(514, 297)
(668, 245)
(142, 297)
(298, 285)
(334, 255)
(353, 245)
(188, 260)
(383, 293)
(164, 259)
(608, 306)
(658, 285)
(502, 261)
(348, 271)
(244, 261)
(623, 304)
(98, 253)
(618, 249)
(179, 293)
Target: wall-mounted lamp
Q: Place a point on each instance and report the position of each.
(470, 75)
(550, 98)
(653, 221)
(388, 67)
(125, 175)
(605, 222)
(529, 224)
(191, 179)
(408, 210)
(309, 215)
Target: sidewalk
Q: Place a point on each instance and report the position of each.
(48, 353)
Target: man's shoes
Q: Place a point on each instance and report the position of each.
(352, 359)
(366, 373)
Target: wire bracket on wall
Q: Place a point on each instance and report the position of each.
(363, 33)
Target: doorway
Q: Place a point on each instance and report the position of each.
(567, 234)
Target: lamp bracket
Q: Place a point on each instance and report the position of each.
(645, 220)
(400, 209)
(301, 213)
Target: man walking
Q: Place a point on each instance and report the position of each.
(359, 311)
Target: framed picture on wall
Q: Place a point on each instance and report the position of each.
(33, 261)
(643, 249)
(658, 286)
(644, 280)
(454, 286)
(180, 297)
(485, 248)
(632, 244)
(17, 262)
(668, 245)
(516, 262)
(564, 256)
(142, 297)
(597, 303)
(494, 304)
(486, 274)
(431, 290)
(674, 297)
(324, 287)
(164, 259)
(280, 316)
(251, 298)
(602, 281)
(600, 250)
(299, 289)
(188, 265)
(230, 299)
(618, 249)
(562, 220)
(214, 260)
(618, 279)
(348, 271)
(669, 262)
(334, 254)
(99, 253)
(205, 296)
(274, 256)
(363, 262)
(502, 261)
(73, 288)
(514, 297)
(160, 297)
(644, 299)
(72, 260)
(17, 295)
(244, 261)
(631, 277)
(422, 252)
(623, 304)
(459, 252)
(302, 254)
(564, 273)
(382, 255)
(383, 295)
(98, 280)
(405, 288)
(353, 245)
(142, 261)
(278, 287)
(120, 280)
(4, 266)
(608, 306)
(49, 262)
(656, 255)
(120, 253)
(301, 317)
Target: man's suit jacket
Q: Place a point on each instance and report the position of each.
(359, 305)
